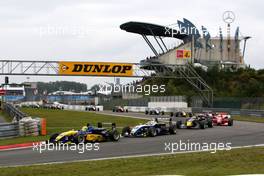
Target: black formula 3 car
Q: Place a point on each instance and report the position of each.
(199, 121)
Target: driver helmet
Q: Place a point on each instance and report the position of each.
(84, 128)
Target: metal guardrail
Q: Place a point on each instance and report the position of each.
(12, 111)
(9, 129)
(242, 112)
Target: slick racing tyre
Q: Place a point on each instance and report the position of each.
(115, 136)
(230, 122)
(152, 132)
(126, 131)
(173, 129)
(210, 124)
(179, 124)
(79, 139)
(53, 137)
(202, 124)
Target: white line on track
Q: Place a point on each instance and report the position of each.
(128, 156)
(123, 115)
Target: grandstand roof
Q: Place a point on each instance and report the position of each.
(151, 29)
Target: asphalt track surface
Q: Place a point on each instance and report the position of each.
(241, 134)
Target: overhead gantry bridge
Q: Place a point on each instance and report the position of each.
(104, 69)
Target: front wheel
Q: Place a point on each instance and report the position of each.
(152, 132)
(230, 122)
(53, 138)
(210, 124)
(202, 124)
(79, 139)
(179, 124)
(173, 129)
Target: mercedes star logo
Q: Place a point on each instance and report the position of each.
(229, 17)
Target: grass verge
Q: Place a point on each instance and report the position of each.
(6, 116)
(236, 161)
(59, 121)
(249, 119)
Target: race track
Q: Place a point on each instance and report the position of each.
(241, 134)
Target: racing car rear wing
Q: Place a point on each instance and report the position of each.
(164, 120)
(101, 124)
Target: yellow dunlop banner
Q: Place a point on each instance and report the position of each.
(95, 68)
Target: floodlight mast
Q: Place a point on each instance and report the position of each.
(245, 43)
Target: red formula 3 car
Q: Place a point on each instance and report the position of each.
(222, 119)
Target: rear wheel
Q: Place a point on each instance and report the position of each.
(115, 136)
(171, 114)
(210, 123)
(126, 131)
(162, 113)
(146, 112)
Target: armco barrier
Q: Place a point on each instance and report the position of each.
(9, 129)
(79, 107)
(242, 112)
(22, 124)
(167, 104)
(165, 109)
(135, 108)
(12, 111)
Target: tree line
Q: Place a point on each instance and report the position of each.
(246, 82)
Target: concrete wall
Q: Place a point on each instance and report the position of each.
(167, 104)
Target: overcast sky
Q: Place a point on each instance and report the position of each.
(88, 30)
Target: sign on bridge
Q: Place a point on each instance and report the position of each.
(95, 68)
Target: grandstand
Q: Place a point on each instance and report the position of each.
(223, 51)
